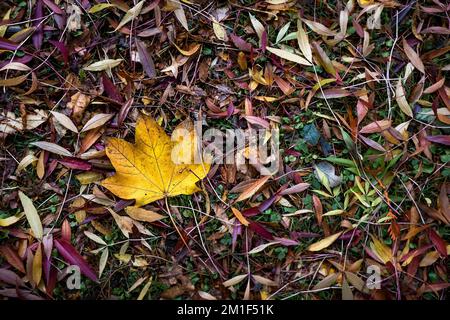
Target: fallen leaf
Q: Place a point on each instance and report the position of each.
(141, 214)
(289, 56)
(32, 216)
(78, 103)
(239, 216)
(125, 223)
(106, 64)
(413, 56)
(401, 99)
(5, 222)
(146, 59)
(64, 121)
(145, 171)
(324, 243)
(303, 41)
(235, 280)
(252, 188)
(257, 25)
(52, 147)
(97, 121)
(219, 31)
(71, 255)
(131, 14)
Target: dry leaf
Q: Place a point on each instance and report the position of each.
(52, 147)
(239, 216)
(401, 99)
(235, 280)
(289, 56)
(219, 31)
(64, 121)
(259, 28)
(125, 224)
(130, 15)
(78, 103)
(303, 41)
(252, 188)
(97, 121)
(141, 214)
(32, 216)
(324, 243)
(102, 65)
(413, 56)
(145, 170)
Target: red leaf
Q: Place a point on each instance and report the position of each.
(111, 89)
(259, 229)
(438, 242)
(71, 256)
(74, 163)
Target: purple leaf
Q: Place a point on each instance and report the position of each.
(295, 189)
(60, 20)
(52, 6)
(251, 212)
(267, 203)
(240, 43)
(10, 277)
(71, 256)
(416, 252)
(38, 35)
(146, 59)
(264, 41)
(8, 45)
(237, 230)
(286, 242)
(62, 49)
(124, 111)
(47, 243)
(440, 139)
(25, 59)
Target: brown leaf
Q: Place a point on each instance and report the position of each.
(12, 257)
(413, 56)
(252, 188)
(141, 214)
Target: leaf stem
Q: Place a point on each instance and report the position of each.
(174, 223)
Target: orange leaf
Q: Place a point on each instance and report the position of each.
(252, 188)
(239, 216)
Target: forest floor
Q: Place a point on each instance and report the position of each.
(354, 204)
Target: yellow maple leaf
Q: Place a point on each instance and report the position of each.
(365, 3)
(145, 171)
